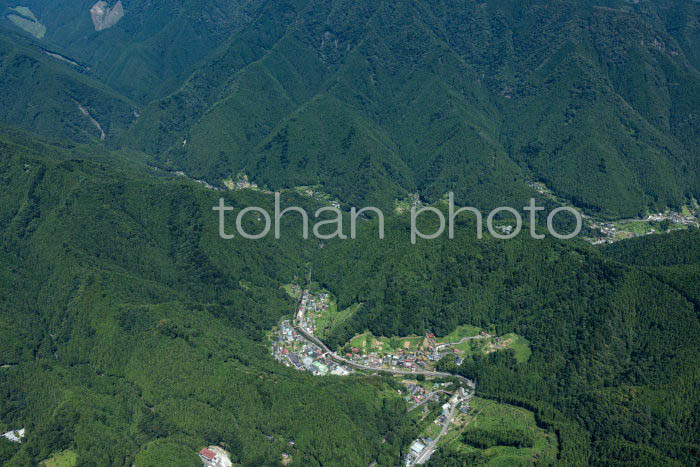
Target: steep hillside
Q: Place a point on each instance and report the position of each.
(151, 49)
(595, 100)
(49, 96)
(615, 348)
(131, 332)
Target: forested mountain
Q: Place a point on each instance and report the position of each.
(137, 333)
(150, 50)
(597, 99)
(115, 283)
(55, 98)
(132, 334)
(615, 348)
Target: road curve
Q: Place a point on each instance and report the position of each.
(463, 340)
(393, 371)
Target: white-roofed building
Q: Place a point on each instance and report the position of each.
(15, 436)
(417, 447)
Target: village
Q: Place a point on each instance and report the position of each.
(663, 222)
(450, 409)
(243, 182)
(293, 348)
(443, 404)
(611, 231)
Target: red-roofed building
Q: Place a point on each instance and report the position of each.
(207, 455)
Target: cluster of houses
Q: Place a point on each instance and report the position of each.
(539, 187)
(310, 307)
(244, 184)
(400, 359)
(424, 358)
(416, 393)
(460, 399)
(609, 232)
(674, 217)
(293, 349)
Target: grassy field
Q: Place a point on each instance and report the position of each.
(472, 346)
(369, 343)
(328, 321)
(433, 430)
(461, 331)
(492, 416)
(520, 345)
(289, 288)
(636, 227)
(644, 227)
(62, 459)
(383, 345)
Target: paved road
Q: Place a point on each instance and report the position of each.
(393, 371)
(428, 451)
(463, 340)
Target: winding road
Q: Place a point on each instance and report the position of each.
(430, 449)
(463, 340)
(393, 371)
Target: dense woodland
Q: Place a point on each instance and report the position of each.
(132, 334)
(374, 101)
(138, 334)
(615, 349)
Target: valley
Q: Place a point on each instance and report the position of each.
(133, 335)
(607, 230)
(415, 361)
